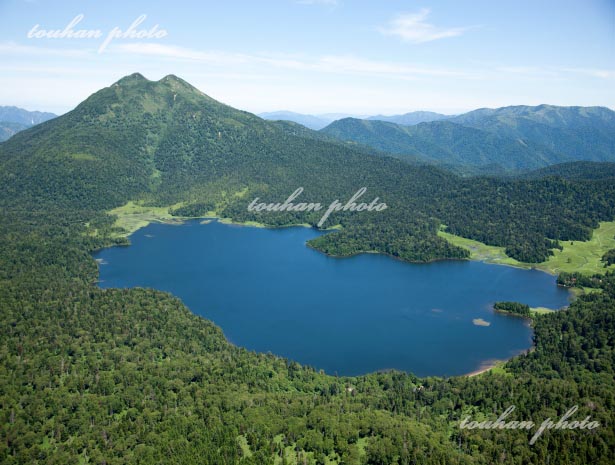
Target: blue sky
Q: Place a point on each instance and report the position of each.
(319, 56)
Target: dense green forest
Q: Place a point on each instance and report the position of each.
(578, 170)
(132, 376)
(579, 280)
(514, 308)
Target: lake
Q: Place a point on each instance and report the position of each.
(269, 292)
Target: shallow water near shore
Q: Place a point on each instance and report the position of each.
(269, 292)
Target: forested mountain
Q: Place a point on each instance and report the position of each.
(131, 376)
(412, 118)
(577, 133)
(13, 120)
(513, 138)
(445, 143)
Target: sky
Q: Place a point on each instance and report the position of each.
(315, 56)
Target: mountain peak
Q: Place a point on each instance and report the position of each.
(177, 84)
(134, 77)
(138, 77)
(169, 84)
(172, 78)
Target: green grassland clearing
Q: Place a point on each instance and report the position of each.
(133, 216)
(541, 310)
(583, 257)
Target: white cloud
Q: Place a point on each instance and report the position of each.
(412, 27)
(332, 64)
(182, 53)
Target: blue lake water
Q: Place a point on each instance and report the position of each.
(269, 292)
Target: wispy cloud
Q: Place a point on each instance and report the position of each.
(412, 27)
(183, 53)
(346, 64)
(232, 62)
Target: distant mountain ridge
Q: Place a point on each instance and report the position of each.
(14, 119)
(317, 122)
(309, 121)
(514, 138)
(574, 133)
(19, 115)
(412, 118)
(8, 129)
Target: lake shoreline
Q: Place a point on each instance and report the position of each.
(132, 217)
(162, 215)
(480, 371)
(158, 217)
(395, 311)
(375, 252)
(490, 365)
